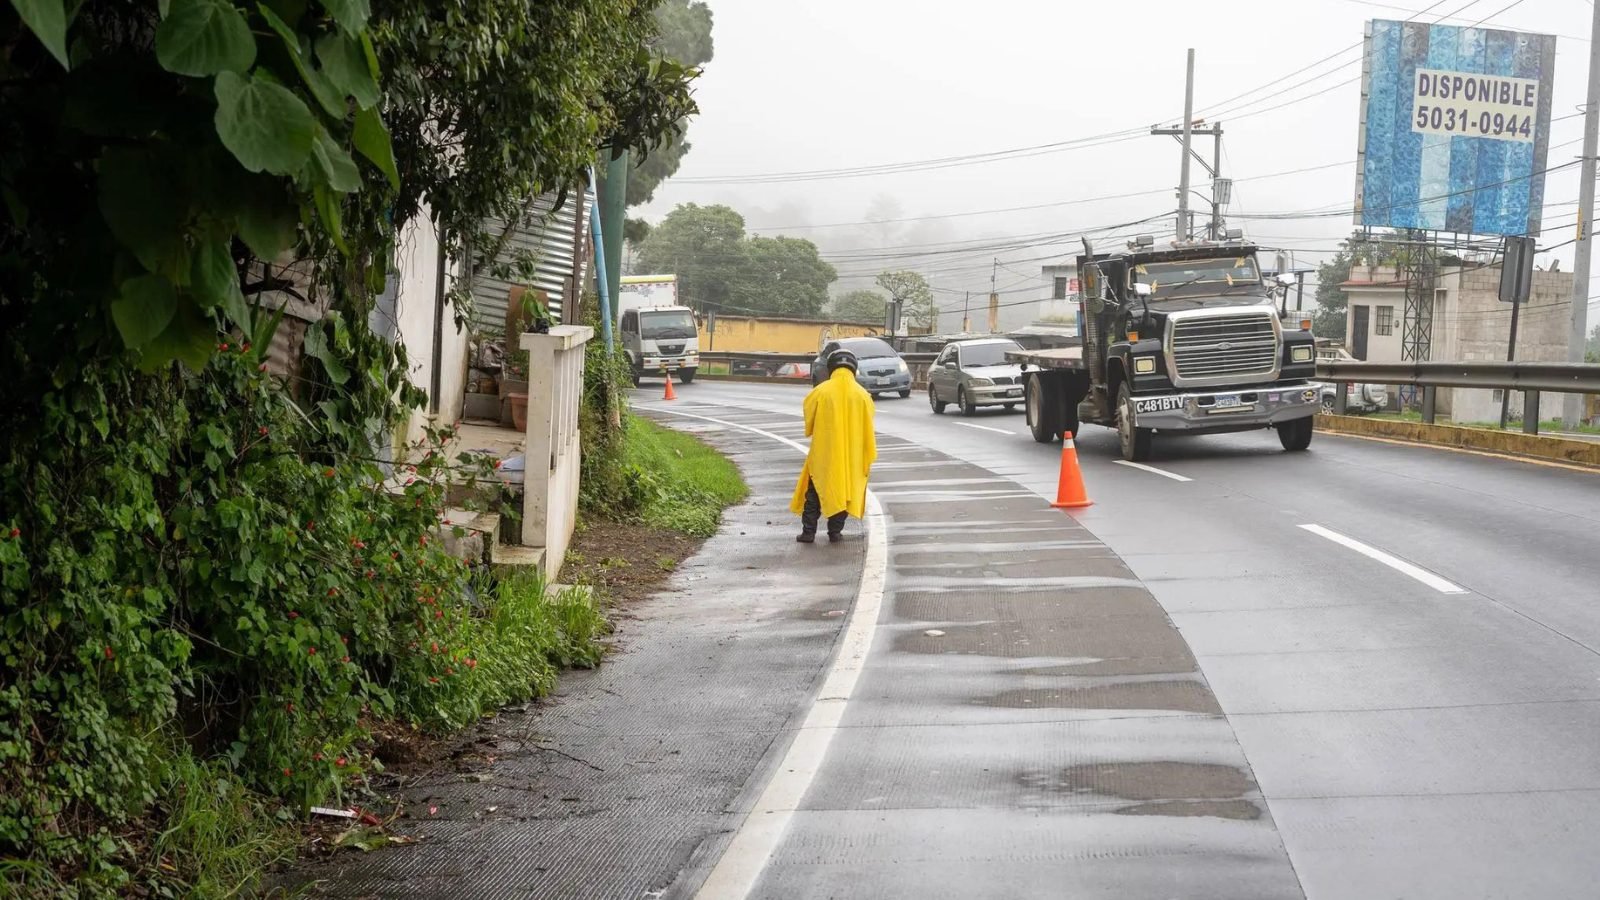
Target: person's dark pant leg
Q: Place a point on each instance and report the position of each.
(836, 524)
(813, 511)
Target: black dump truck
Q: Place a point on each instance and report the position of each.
(1186, 338)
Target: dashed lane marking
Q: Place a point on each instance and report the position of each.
(1152, 469)
(1393, 562)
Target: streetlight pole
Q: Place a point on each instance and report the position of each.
(1572, 404)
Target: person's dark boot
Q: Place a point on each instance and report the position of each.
(835, 537)
(807, 537)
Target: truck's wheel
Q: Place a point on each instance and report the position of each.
(1041, 404)
(686, 376)
(964, 401)
(1296, 435)
(1135, 441)
(933, 401)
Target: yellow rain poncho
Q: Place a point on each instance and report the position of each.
(843, 446)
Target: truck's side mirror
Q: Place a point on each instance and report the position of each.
(1141, 289)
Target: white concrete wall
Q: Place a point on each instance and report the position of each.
(417, 269)
(1477, 326)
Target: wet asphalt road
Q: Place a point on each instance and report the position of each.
(1421, 731)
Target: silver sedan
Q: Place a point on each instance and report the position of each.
(975, 373)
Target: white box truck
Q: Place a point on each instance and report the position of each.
(658, 334)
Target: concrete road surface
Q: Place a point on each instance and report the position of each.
(1384, 679)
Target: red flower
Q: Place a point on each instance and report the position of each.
(438, 614)
(262, 431)
(312, 651)
(434, 646)
(343, 639)
(395, 555)
(328, 472)
(16, 533)
(293, 614)
(244, 347)
(288, 773)
(423, 540)
(311, 525)
(339, 762)
(109, 654)
(288, 707)
(222, 346)
(472, 663)
(261, 368)
(345, 659)
(432, 680)
(449, 671)
(316, 757)
(333, 592)
(371, 574)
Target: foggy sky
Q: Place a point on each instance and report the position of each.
(832, 84)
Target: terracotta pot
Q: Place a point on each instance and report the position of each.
(519, 411)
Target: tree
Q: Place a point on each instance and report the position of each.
(911, 290)
(720, 269)
(684, 35)
(1592, 349)
(704, 247)
(860, 306)
(785, 276)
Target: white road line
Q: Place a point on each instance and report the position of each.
(758, 835)
(1144, 468)
(1393, 562)
(985, 428)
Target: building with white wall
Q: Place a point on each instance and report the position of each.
(1469, 322)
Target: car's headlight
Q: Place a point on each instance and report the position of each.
(1144, 365)
(1301, 354)
(900, 365)
(982, 382)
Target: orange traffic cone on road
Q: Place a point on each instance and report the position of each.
(1069, 489)
(669, 395)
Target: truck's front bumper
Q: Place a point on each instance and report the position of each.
(671, 363)
(1209, 412)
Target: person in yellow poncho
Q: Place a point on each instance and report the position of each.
(833, 482)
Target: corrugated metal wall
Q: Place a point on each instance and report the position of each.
(551, 235)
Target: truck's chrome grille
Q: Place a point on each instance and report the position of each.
(1228, 348)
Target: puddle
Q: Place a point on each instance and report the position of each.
(1180, 696)
(1216, 809)
(1148, 781)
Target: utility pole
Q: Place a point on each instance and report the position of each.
(1188, 134)
(1572, 404)
(994, 297)
(966, 314)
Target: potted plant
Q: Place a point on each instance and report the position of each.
(535, 313)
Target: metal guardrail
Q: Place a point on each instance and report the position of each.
(757, 364)
(1531, 378)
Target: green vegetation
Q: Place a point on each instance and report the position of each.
(688, 484)
(720, 269)
(209, 580)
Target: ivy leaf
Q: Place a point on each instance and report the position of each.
(350, 14)
(144, 206)
(47, 19)
(332, 165)
(321, 87)
(216, 280)
(372, 141)
(267, 128)
(317, 348)
(144, 310)
(190, 337)
(345, 65)
(204, 37)
(328, 209)
(268, 219)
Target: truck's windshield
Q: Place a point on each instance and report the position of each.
(654, 326)
(1231, 270)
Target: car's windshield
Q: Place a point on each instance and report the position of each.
(1231, 271)
(994, 354)
(657, 325)
(869, 348)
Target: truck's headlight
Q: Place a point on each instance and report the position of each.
(1144, 365)
(1301, 354)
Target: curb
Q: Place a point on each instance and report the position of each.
(1510, 443)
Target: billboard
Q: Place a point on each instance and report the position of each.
(1455, 128)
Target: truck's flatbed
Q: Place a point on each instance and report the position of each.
(1054, 358)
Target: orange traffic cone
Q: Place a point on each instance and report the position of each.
(670, 395)
(1069, 490)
